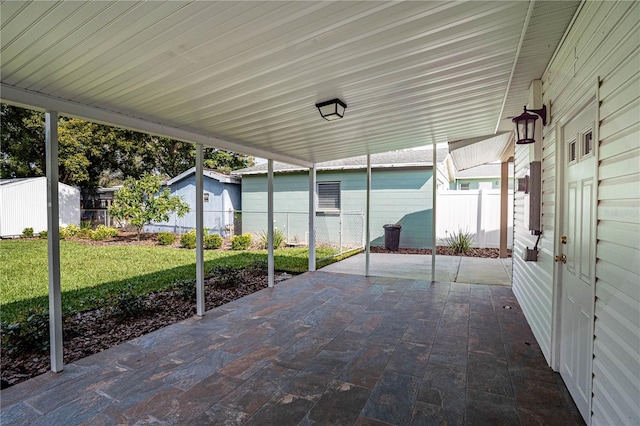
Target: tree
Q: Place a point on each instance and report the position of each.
(93, 155)
(140, 202)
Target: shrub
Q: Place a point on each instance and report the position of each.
(27, 233)
(212, 242)
(459, 242)
(188, 240)
(85, 233)
(241, 242)
(278, 239)
(166, 238)
(62, 231)
(72, 230)
(125, 303)
(226, 276)
(103, 232)
(85, 224)
(30, 333)
(185, 288)
(43, 234)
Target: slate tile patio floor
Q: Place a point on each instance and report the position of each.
(320, 348)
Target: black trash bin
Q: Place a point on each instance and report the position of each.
(392, 236)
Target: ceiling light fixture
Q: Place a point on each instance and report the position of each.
(526, 124)
(331, 110)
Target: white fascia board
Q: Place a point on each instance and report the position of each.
(340, 168)
(38, 101)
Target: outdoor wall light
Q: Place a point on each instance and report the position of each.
(526, 124)
(331, 110)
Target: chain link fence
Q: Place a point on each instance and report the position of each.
(343, 231)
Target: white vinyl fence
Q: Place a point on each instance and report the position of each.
(476, 211)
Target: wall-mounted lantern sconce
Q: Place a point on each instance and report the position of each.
(525, 124)
(331, 110)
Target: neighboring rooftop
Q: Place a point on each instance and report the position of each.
(392, 159)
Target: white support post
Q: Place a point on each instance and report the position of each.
(271, 262)
(434, 177)
(53, 242)
(368, 220)
(312, 218)
(199, 230)
(504, 207)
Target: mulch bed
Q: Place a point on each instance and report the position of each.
(493, 253)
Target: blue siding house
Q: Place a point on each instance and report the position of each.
(221, 200)
(401, 187)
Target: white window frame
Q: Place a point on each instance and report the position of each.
(319, 204)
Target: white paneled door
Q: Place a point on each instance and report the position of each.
(577, 260)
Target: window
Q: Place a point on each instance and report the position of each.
(328, 196)
(464, 186)
(206, 197)
(587, 143)
(572, 151)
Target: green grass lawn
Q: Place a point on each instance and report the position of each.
(88, 273)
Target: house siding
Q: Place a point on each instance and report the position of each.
(218, 212)
(397, 196)
(603, 42)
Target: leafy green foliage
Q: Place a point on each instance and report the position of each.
(141, 202)
(125, 303)
(212, 242)
(72, 230)
(43, 234)
(226, 276)
(186, 288)
(188, 240)
(166, 238)
(460, 241)
(241, 242)
(93, 154)
(102, 233)
(279, 239)
(27, 233)
(29, 333)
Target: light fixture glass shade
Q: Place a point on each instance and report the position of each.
(525, 128)
(331, 110)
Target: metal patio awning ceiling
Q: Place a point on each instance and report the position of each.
(245, 76)
(469, 153)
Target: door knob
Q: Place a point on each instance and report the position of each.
(562, 258)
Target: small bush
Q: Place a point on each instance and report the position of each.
(102, 233)
(27, 233)
(125, 303)
(212, 242)
(166, 238)
(43, 234)
(185, 288)
(30, 333)
(62, 231)
(459, 242)
(279, 238)
(72, 230)
(226, 276)
(188, 240)
(85, 233)
(85, 224)
(241, 242)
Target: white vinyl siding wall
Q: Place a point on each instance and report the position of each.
(604, 43)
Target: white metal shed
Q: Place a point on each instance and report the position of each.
(23, 204)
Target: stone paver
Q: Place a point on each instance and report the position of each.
(320, 348)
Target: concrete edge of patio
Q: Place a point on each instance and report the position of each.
(461, 269)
